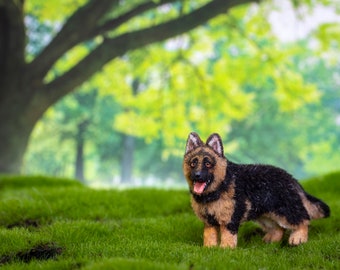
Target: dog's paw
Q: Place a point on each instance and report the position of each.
(298, 236)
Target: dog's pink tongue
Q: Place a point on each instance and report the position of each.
(199, 187)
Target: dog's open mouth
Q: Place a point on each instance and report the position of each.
(199, 187)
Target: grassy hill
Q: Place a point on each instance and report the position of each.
(48, 223)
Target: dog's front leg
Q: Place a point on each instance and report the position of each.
(210, 236)
(228, 239)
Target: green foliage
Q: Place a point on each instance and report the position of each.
(269, 100)
(329, 34)
(294, 87)
(145, 228)
(53, 10)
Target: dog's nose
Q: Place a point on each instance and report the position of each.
(198, 175)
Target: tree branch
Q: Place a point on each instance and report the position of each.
(112, 48)
(116, 22)
(68, 37)
(75, 30)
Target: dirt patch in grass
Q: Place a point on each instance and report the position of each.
(45, 251)
(27, 223)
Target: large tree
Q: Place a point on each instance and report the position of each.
(26, 93)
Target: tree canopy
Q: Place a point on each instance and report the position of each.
(157, 81)
(108, 29)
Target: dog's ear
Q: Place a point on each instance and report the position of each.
(215, 142)
(193, 142)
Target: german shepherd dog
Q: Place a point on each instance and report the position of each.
(225, 194)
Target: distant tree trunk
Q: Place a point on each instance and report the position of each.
(80, 142)
(127, 159)
(128, 146)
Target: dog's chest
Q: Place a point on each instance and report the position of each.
(215, 213)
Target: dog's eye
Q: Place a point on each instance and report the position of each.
(208, 164)
(193, 163)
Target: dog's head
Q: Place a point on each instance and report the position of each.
(204, 164)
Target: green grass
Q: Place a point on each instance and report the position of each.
(76, 227)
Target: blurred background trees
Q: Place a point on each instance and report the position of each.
(79, 39)
(272, 100)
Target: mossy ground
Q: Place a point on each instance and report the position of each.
(48, 223)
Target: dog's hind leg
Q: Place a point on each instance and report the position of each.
(273, 235)
(274, 232)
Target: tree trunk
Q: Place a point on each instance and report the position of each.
(18, 116)
(127, 159)
(20, 109)
(13, 143)
(80, 142)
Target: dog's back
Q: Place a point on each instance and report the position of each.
(272, 190)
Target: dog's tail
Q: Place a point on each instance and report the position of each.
(316, 208)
